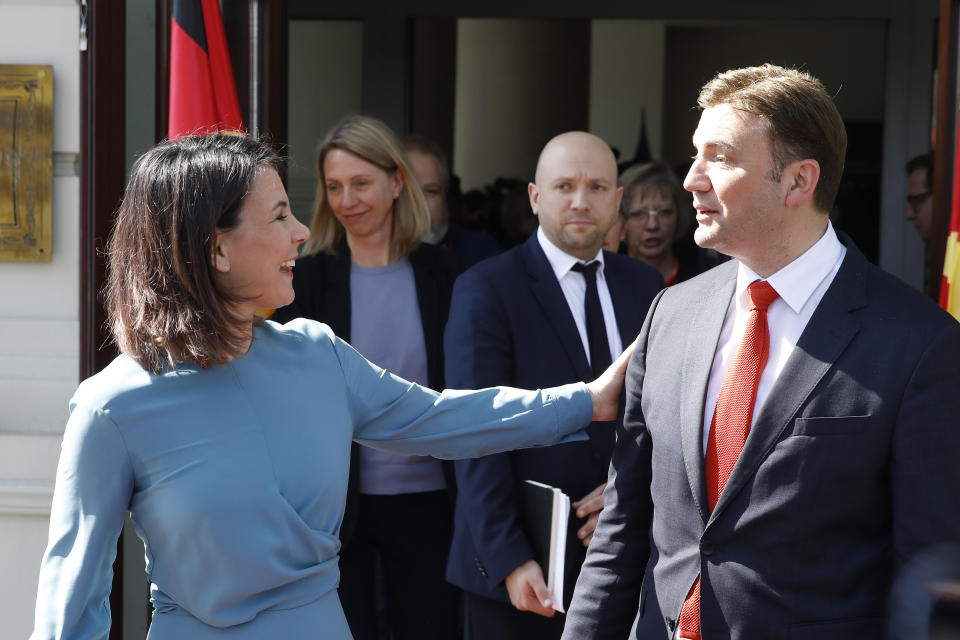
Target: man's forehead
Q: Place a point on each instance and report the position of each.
(578, 161)
(918, 178)
(723, 125)
(423, 159)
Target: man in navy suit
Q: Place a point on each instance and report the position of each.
(796, 525)
(429, 165)
(550, 311)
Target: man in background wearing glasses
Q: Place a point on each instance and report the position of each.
(920, 193)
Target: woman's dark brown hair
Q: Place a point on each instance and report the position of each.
(163, 303)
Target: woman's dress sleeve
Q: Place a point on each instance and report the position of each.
(392, 414)
(90, 501)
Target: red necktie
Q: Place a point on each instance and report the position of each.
(731, 421)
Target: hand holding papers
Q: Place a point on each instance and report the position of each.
(544, 514)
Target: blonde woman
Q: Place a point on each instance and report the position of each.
(366, 273)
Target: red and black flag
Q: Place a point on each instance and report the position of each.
(203, 95)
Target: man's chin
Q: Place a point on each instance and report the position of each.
(704, 237)
(577, 244)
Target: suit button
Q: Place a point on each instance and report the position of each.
(671, 624)
(599, 458)
(706, 547)
(480, 567)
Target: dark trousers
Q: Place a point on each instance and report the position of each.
(488, 619)
(409, 534)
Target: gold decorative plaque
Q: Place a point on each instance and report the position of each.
(26, 161)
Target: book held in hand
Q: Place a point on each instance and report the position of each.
(544, 514)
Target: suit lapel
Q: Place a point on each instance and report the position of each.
(701, 343)
(827, 334)
(546, 290)
(336, 292)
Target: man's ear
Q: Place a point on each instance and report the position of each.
(221, 261)
(800, 178)
(534, 194)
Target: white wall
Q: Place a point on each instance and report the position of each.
(141, 131)
(519, 83)
(326, 58)
(39, 324)
(140, 78)
(627, 62)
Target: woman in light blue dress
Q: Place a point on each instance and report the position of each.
(228, 438)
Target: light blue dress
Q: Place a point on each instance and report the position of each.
(236, 479)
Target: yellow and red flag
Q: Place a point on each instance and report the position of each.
(950, 285)
(203, 94)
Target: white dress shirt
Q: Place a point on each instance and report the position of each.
(801, 285)
(574, 288)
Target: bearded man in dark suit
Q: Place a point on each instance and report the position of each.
(553, 310)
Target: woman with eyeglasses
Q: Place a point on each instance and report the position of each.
(657, 214)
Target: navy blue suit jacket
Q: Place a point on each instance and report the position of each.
(510, 325)
(850, 469)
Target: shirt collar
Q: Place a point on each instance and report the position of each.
(561, 261)
(796, 282)
(436, 236)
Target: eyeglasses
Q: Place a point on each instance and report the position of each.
(917, 199)
(644, 215)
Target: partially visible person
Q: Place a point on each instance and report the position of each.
(366, 273)
(925, 598)
(515, 220)
(429, 164)
(227, 438)
(790, 435)
(658, 213)
(471, 208)
(920, 194)
(551, 310)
